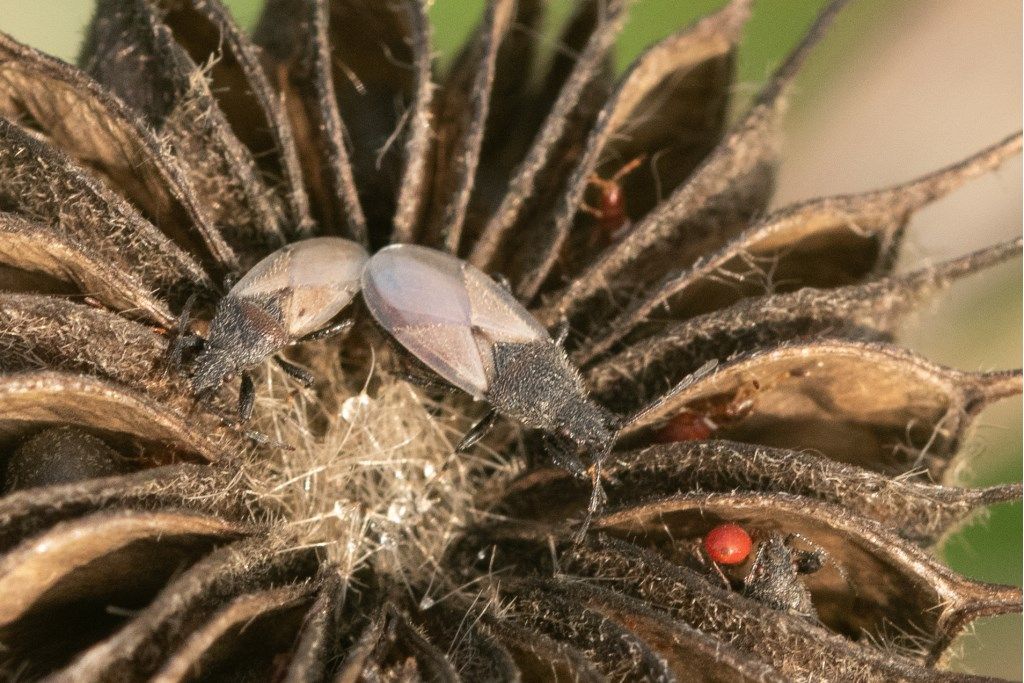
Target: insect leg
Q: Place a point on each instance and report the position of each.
(327, 332)
(246, 397)
(563, 457)
(184, 340)
(706, 561)
(477, 431)
(597, 500)
(628, 168)
(502, 280)
(561, 332)
(229, 281)
(413, 371)
(301, 374)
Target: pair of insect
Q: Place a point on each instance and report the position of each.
(454, 319)
(774, 575)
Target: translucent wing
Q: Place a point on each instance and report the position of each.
(314, 280)
(445, 312)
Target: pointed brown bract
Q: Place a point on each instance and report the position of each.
(749, 357)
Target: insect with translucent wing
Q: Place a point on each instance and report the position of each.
(291, 296)
(610, 213)
(472, 332)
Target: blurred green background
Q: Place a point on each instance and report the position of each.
(896, 90)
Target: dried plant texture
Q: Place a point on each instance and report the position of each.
(142, 537)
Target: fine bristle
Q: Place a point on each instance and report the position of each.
(374, 480)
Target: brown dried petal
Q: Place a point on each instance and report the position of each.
(317, 646)
(358, 657)
(508, 129)
(539, 657)
(130, 50)
(403, 642)
(70, 573)
(614, 650)
(796, 646)
(184, 486)
(44, 258)
(418, 132)
(244, 93)
(559, 140)
(670, 80)
(40, 332)
(690, 654)
(294, 37)
(918, 511)
(462, 110)
(137, 650)
(381, 81)
(29, 400)
(473, 651)
(876, 406)
(730, 187)
(822, 243)
(875, 583)
(247, 638)
(76, 114)
(868, 312)
(42, 184)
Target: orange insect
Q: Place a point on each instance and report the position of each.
(701, 420)
(611, 212)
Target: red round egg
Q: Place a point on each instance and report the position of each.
(728, 544)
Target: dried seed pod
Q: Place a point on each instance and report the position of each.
(39, 332)
(918, 511)
(800, 246)
(672, 70)
(730, 187)
(75, 113)
(98, 222)
(294, 38)
(45, 260)
(370, 550)
(911, 413)
(73, 570)
(201, 489)
(463, 110)
(171, 91)
(579, 83)
(244, 93)
(880, 574)
(248, 636)
(868, 312)
(136, 650)
(32, 399)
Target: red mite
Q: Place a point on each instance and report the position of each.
(611, 214)
(687, 426)
(727, 544)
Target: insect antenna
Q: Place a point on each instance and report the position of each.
(255, 436)
(598, 498)
(184, 340)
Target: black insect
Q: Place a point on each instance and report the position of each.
(289, 297)
(473, 333)
(774, 577)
